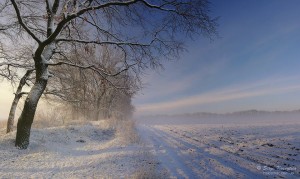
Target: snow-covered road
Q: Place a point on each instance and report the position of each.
(197, 151)
(167, 153)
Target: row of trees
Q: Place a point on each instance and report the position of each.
(89, 94)
(85, 92)
(91, 51)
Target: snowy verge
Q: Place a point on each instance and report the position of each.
(93, 150)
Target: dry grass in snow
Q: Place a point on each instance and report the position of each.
(91, 150)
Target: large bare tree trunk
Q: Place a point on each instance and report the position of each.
(18, 95)
(26, 118)
(31, 102)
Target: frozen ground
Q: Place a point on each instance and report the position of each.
(235, 149)
(206, 148)
(88, 151)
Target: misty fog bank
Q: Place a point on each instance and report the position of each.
(239, 118)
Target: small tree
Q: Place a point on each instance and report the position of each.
(144, 31)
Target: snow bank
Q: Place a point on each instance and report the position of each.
(89, 151)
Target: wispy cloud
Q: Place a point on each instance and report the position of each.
(174, 82)
(153, 89)
(231, 93)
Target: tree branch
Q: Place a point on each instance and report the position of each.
(158, 7)
(49, 18)
(99, 71)
(69, 17)
(22, 23)
(92, 67)
(103, 42)
(99, 28)
(55, 6)
(49, 10)
(16, 65)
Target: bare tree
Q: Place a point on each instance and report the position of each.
(10, 69)
(87, 93)
(18, 95)
(145, 31)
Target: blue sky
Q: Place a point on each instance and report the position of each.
(253, 65)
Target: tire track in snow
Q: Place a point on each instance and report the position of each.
(214, 165)
(204, 164)
(228, 161)
(247, 159)
(167, 155)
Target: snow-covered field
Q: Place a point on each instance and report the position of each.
(236, 149)
(89, 151)
(206, 148)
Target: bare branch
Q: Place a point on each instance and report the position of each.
(21, 94)
(55, 6)
(92, 67)
(49, 10)
(99, 28)
(22, 23)
(68, 18)
(101, 72)
(104, 42)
